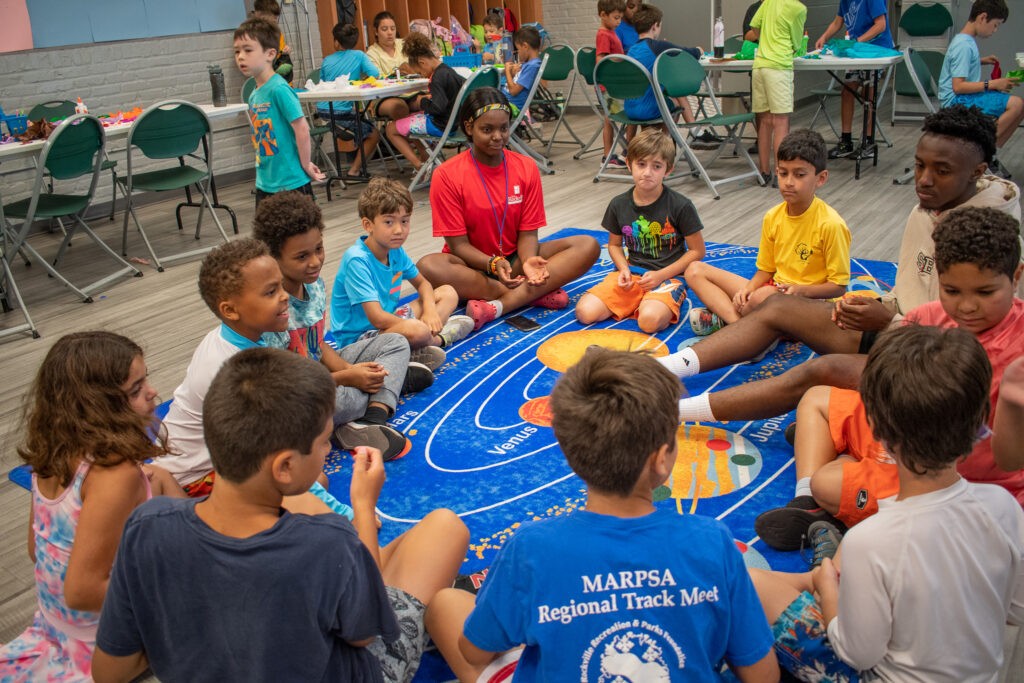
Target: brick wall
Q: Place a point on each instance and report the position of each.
(121, 75)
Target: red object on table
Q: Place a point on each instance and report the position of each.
(997, 72)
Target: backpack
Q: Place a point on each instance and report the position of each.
(542, 109)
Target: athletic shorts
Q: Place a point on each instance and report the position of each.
(404, 312)
(400, 659)
(772, 91)
(417, 124)
(801, 643)
(873, 475)
(992, 102)
(512, 259)
(200, 488)
(867, 340)
(625, 303)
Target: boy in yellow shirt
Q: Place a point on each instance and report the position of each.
(804, 250)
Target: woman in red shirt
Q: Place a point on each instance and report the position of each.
(487, 203)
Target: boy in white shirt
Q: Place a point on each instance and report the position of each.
(943, 555)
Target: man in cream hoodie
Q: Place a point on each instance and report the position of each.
(950, 171)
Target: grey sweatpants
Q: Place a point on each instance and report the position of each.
(390, 350)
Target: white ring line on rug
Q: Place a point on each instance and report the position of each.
(492, 465)
(753, 493)
(468, 513)
(536, 376)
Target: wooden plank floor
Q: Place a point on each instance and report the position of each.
(163, 312)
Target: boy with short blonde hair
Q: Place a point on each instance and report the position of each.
(804, 250)
(280, 132)
(660, 229)
(365, 299)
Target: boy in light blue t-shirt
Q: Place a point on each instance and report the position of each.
(960, 81)
(520, 77)
(355, 65)
(367, 289)
(280, 133)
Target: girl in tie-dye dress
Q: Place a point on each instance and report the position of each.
(86, 437)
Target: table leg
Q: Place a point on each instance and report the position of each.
(213, 195)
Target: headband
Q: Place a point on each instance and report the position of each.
(490, 107)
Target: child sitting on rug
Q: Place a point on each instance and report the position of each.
(86, 437)
(364, 302)
(435, 108)
(584, 589)
(804, 250)
(977, 255)
(370, 373)
(943, 555)
(272, 596)
(242, 285)
(662, 233)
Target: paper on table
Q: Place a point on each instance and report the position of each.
(340, 82)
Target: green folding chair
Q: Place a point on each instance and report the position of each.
(486, 77)
(521, 124)
(58, 110)
(622, 78)
(73, 150)
(250, 85)
(172, 129)
(560, 67)
(680, 75)
(586, 62)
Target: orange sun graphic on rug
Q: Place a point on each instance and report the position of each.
(563, 350)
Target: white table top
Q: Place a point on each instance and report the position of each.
(358, 94)
(825, 63)
(16, 150)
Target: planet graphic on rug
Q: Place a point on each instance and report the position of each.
(562, 351)
(711, 462)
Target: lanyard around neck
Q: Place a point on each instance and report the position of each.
(487, 193)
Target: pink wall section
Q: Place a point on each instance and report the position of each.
(15, 29)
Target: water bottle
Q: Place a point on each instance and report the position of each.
(220, 95)
(803, 46)
(719, 38)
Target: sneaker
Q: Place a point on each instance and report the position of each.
(556, 300)
(703, 322)
(615, 161)
(417, 378)
(388, 440)
(456, 329)
(768, 179)
(822, 541)
(431, 356)
(786, 528)
(760, 357)
(481, 312)
(996, 168)
(867, 151)
(842, 150)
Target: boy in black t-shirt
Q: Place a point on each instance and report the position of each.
(655, 233)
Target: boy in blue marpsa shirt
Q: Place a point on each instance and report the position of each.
(960, 81)
(520, 76)
(280, 133)
(620, 587)
(867, 21)
(355, 65)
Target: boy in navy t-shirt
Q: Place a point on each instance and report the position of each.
(232, 587)
(645, 50)
(619, 587)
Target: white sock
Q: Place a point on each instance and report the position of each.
(803, 487)
(682, 364)
(696, 409)
(497, 307)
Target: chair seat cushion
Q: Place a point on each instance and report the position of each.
(49, 206)
(165, 179)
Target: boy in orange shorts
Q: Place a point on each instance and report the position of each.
(660, 230)
(841, 469)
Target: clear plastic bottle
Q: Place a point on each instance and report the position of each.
(718, 40)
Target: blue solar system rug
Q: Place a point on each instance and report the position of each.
(482, 444)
